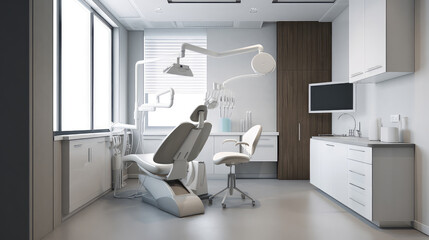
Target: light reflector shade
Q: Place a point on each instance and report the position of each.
(179, 69)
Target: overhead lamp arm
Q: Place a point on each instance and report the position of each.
(190, 47)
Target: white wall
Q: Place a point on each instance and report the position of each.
(255, 94)
(407, 95)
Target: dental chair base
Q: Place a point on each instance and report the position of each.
(172, 196)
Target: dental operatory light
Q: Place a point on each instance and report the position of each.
(179, 69)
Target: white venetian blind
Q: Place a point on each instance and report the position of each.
(190, 91)
(159, 44)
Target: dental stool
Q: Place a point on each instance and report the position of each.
(249, 142)
(166, 168)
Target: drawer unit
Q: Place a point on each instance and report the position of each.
(361, 154)
(360, 188)
(359, 174)
(378, 182)
(266, 151)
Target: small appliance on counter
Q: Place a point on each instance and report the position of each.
(389, 134)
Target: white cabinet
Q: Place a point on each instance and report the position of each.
(328, 168)
(375, 182)
(356, 40)
(266, 150)
(381, 39)
(86, 171)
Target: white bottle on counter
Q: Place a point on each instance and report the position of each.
(374, 130)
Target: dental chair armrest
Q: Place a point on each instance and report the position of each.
(241, 143)
(229, 140)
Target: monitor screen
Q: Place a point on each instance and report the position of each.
(331, 97)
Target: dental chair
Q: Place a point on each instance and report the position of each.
(249, 142)
(166, 168)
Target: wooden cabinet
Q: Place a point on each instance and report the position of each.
(86, 171)
(381, 39)
(303, 57)
(375, 182)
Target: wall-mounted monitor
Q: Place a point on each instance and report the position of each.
(331, 97)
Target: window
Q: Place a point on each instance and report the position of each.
(84, 95)
(189, 91)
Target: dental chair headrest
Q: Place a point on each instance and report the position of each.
(196, 113)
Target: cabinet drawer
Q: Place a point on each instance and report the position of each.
(266, 151)
(360, 202)
(359, 174)
(361, 154)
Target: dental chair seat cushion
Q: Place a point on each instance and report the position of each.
(145, 161)
(230, 158)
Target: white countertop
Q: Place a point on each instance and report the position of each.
(212, 133)
(85, 136)
(364, 142)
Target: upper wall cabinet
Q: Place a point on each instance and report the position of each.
(381, 39)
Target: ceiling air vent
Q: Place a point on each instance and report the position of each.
(206, 24)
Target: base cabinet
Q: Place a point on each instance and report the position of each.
(86, 171)
(266, 150)
(375, 182)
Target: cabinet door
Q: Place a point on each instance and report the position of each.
(375, 37)
(266, 150)
(152, 143)
(226, 147)
(356, 40)
(87, 171)
(315, 151)
(101, 160)
(339, 173)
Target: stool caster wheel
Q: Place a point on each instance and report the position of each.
(210, 201)
(253, 203)
(242, 196)
(223, 205)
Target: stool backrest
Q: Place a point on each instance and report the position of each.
(251, 137)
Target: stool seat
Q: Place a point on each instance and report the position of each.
(230, 158)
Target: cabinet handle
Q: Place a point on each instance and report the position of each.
(357, 202)
(354, 185)
(77, 145)
(330, 145)
(89, 155)
(299, 131)
(356, 74)
(373, 68)
(361, 174)
(357, 150)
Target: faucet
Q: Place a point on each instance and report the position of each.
(352, 131)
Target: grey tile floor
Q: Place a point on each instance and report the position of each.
(284, 210)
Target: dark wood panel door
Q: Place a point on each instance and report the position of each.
(303, 57)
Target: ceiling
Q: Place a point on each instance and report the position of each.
(141, 14)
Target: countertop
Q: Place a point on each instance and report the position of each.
(364, 142)
(149, 133)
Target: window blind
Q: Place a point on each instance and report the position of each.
(156, 45)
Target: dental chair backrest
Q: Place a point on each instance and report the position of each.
(185, 142)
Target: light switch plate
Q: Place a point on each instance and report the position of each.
(394, 118)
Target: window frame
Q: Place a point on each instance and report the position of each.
(58, 117)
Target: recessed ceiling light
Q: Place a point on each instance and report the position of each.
(253, 10)
(158, 10)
